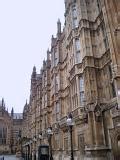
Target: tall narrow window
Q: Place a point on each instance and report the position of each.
(112, 82)
(45, 78)
(55, 58)
(82, 92)
(74, 16)
(105, 38)
(77, 50)
(56, 84)
(110, 71)
(52, 59)
(57, 111)
(45, 99)
(113, 89)
(99, 5)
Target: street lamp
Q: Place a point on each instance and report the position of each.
(30, 142)
(34, 139)
(70, 124)
(50, 133)
(40, 136)
(20, 142)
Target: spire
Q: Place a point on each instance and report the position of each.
(44, 64)
(25, 107)
(34, 72)
(26, 101)
(58, 27)
(48, 58)
(33, 82)
(2, 102)
(34, 69)
(48, 54)
(12, 112)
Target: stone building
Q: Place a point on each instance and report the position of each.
(10, 124)
(81, 76)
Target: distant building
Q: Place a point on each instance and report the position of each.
(10, 124)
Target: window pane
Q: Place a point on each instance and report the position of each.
(57, 107)
(78, 58)
(77, 44)
(74, 11)
(75, 23)
(82, 93)
(82, 98)
(56, 58)
(81, 84)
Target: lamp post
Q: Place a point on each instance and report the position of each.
(34, 139)
(50, 133)
(28, 150)
(40, 137)
(20, 142)
(31, 149)
(70, 125)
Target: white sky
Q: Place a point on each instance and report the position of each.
(26, 27)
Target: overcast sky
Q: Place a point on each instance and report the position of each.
(26, 27)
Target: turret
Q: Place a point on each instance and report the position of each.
(33, 81)
(53, 40)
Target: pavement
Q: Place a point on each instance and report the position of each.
(9, 157)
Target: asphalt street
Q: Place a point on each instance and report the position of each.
(9, 157)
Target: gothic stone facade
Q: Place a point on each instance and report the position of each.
(10, 124)
(80, 76)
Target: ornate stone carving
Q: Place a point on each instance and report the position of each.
(98, 113)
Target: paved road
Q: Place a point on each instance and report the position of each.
(11, 157)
